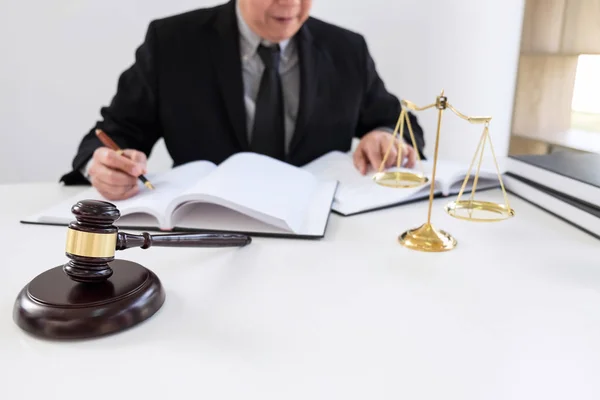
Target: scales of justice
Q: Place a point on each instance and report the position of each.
(427, 237)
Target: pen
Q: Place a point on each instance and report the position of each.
(108, 142)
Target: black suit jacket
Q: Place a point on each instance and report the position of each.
(186, 87)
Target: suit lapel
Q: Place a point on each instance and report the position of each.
(309, 61)
(226, 55)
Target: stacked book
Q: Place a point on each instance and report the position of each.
(566, 184)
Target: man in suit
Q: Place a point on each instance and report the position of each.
(247, 75)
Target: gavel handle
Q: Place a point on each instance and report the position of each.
(145, 240)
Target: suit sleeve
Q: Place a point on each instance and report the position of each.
(131, 119)
(380, 108)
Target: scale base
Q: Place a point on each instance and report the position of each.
(53, 306)
(427, 238)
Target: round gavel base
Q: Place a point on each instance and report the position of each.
(53, 306)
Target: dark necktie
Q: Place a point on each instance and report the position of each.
(269, 128)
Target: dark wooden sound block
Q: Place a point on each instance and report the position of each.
(53, 306)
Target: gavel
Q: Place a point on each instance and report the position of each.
(94, 293)
(92, 240)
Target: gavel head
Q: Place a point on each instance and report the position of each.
(91, 241)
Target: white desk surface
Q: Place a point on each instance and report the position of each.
(512, 313)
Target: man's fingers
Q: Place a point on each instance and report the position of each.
(373, 148)
(374, 154)
(112, 192)
(360, 161)
(111, 177)
(112, 159)
(412, 156)
(137, 157)
(392, 157)
(115, 175)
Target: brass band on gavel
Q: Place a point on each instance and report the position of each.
(88, 244)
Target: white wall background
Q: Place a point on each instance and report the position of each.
(60, 60)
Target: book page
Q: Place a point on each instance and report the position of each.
(451, 175)
(264, 188)
(357, 192)
(195, 216)
(483, 183)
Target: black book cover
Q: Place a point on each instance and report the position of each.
(582, 205)
(582, 167)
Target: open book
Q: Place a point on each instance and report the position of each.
(247, 193)
(359, 193)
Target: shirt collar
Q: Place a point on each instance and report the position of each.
(250, 40)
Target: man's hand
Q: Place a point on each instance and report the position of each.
(371, 150)
(115, 176)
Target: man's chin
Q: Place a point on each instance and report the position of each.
(280, 34)
(281, 38)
